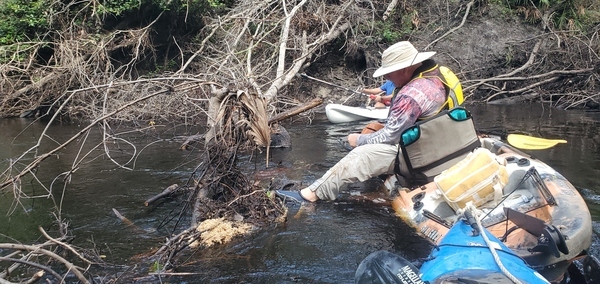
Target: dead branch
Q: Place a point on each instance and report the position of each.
(171, 242)
(275, 54)
(33, 264)
(537, 76)
(169, 191)
(64, 245)
(576, 99)
(534, 53)
(390, 8)
(31, 166)
(37, 249)
(272, 54)
(565, 102)
(529, 83)
(296, 110)
(471, 87)
(36, 277)
(222, 190)
(464, 19)
(9, 270)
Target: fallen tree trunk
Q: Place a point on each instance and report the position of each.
(296, 110)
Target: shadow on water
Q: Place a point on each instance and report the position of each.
(321, 243)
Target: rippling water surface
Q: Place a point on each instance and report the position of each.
(320, 243)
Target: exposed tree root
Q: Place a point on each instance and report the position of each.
(222, 190)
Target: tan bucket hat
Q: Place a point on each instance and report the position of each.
(399, 56)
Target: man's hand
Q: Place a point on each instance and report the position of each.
(352, 139)
(376, 98)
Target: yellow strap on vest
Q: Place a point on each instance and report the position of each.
(454, 90)
(454, 94)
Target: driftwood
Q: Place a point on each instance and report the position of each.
(123, 219)
(296, 110)
(167, 192)
(190, 140)
(129, 223)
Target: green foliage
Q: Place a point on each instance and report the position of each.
(24, 20)
(389, 34)
(156, 266)
(169, 65)
(120, 7)
(410, 20)
(16, 52)
(566, 14)
(21, 19)
(509, 56)
(117, 7)
(392, 31)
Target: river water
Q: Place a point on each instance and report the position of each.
(320, 243)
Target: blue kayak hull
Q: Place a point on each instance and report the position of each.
(463, 255)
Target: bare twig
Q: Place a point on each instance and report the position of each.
(33, 264)
(37, 249)
(464, 19)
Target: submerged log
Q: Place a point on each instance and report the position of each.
(514, 99)
(191, 140)
(130, 223)
(122, 218)
(167, 192)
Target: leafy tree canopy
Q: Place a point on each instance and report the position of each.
(27, 20)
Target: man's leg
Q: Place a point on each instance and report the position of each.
(360, 164)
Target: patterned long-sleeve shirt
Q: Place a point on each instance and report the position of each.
(421, 97)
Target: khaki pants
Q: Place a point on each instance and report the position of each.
(360, 164)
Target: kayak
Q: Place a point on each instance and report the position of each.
(539, 214)
(337, 113)
(463, 253)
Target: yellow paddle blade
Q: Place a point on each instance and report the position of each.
(532, 143)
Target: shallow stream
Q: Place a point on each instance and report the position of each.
(320, 243)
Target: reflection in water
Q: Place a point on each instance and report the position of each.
(578, 160)
(324, 242)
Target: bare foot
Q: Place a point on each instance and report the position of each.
(309, 195)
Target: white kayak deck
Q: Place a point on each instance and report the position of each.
(337, 113)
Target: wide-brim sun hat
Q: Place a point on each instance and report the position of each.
(399, 56)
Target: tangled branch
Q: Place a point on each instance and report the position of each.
(33, 256)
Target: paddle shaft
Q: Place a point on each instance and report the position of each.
(331, 84)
